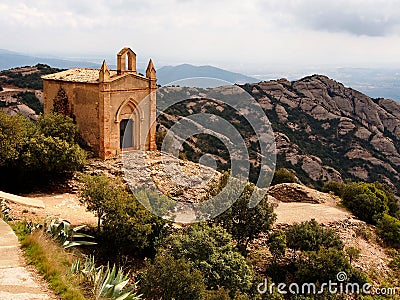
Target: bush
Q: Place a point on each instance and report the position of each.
(210, 250)
(334, 186)
(95, 192)
(388, 228)
(393, 201)
(47, 155)
(170, 278)
(310, 236)
(277, 244)
(283, 175)
(324, 265)
(60, 126)
(32, 153)
(366, 201)
(125, 225)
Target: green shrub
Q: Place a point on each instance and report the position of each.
(324, 265)
(393, 201)
(366, 201)
(388, 228)
(210, 250)
(125, 225)
(13, 132)
(334, 186)
(310, 236)
(57, 125)
(170, 278)
(51, 155)
(283, 175)
(32, 154)
(277, 244)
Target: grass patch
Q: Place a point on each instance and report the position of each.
(51, 260)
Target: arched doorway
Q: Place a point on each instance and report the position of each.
(126, 133)
(129, 118)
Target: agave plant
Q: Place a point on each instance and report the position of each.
(112, 284)
(67, 236)
(5, 210)
(106, 283)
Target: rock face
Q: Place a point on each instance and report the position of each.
(342, 132)
(181, 180)
(293, 192)
(323, 130)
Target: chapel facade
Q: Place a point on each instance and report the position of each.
(115, 110)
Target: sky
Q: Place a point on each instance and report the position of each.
(235, 34)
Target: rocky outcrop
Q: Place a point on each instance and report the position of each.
(293, 192)
(331, 132)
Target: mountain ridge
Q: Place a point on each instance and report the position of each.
(324, 131)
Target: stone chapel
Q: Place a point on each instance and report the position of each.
(115, 110)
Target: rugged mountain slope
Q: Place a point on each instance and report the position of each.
(323, 130)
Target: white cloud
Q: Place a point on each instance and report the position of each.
(226, 32)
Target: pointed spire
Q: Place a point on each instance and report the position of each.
(151, 71)
(104, 74)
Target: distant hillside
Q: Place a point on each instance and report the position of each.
(323, 130)
(10, 59)
(169, 74)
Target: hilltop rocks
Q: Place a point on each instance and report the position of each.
(294, 192)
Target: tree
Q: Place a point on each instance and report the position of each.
(283, 175)
(310, 236)
(244, 223)
(124, 224)
(170, 278)
(13, 130)
(61, 103)
(95, 193)
(210, 250)
(393, 201)
(366, 201)
(49, 156)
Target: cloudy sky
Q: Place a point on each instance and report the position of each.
(235, 34)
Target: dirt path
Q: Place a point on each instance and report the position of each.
(289, 213)
(64, 206)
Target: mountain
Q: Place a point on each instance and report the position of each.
(323, 130)
(169, 74)
(10, 59)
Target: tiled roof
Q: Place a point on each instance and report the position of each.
(78, 75)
